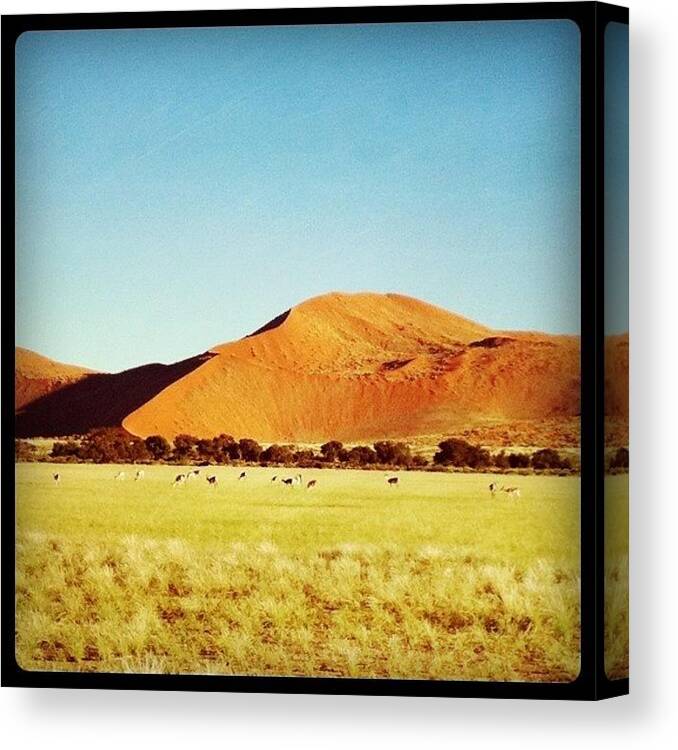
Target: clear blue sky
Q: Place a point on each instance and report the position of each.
(178, 188)
(616, 178)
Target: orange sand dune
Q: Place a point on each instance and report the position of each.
(35, 376)
(366, 366)
(72, 406)
(617, 375)
(343, 366)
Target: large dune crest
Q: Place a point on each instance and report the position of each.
(366, 366)
(339, 366)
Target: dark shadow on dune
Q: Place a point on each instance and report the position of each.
(492, 342)
(100, 399)
(275, 323)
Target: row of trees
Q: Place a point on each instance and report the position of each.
(460, 453)
(117, 446)
(109, 445)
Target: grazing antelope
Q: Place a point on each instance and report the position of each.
(193, 474)
(275, 476)
(393, 481)
(120, 476)
(511, 491)
(139, 475)
(311, 484)
(493, 488)
(212, 480)
(289, 481)
(243, 475)
(56, 478)
(179, 479)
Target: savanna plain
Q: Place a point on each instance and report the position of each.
(432, 578)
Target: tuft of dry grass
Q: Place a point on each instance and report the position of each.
(617, 576)
(434, 580)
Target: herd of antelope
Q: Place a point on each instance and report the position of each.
(296, 480)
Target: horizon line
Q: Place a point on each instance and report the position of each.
(265, 327)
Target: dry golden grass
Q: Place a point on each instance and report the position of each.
(432, 579)
(562, 433)
(617, 576)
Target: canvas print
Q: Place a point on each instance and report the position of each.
(616, 255)
(298, 367)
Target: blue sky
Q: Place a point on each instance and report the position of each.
(616, 178)
(178, 188)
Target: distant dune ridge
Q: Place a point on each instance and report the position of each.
(36, 376)
(338, 366)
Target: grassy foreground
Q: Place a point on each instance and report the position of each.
(617, 576)
(430, 579)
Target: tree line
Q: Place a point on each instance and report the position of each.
(115, 445)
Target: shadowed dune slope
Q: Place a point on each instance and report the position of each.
(94, 399)
(365, 366)
(36, 376)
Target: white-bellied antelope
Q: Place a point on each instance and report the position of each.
(312, 483)
(212, 480)
(274, 477)
(56, 478)
(511, 491)
(193, 474)
(120, 476)
(493, 488)
(243, 475)
(139, 475)
(393, 481)
(179, 479)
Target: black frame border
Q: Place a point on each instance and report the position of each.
(607, 14)
(592, 682)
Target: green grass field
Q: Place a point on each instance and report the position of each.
(429, 579)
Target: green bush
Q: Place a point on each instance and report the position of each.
(222, 447)
(361, 455)
(109, 445)
(64, 449)
(278, 454)
(620, 459)
(547, 458)
(393, 454)
(184, 447)
(303, 457)
(330, 451)
(250, 450)
(501, 460)
(518, 460)
(458, 452)
(158, 447)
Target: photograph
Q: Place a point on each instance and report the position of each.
(298, 366)
(616, 353)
